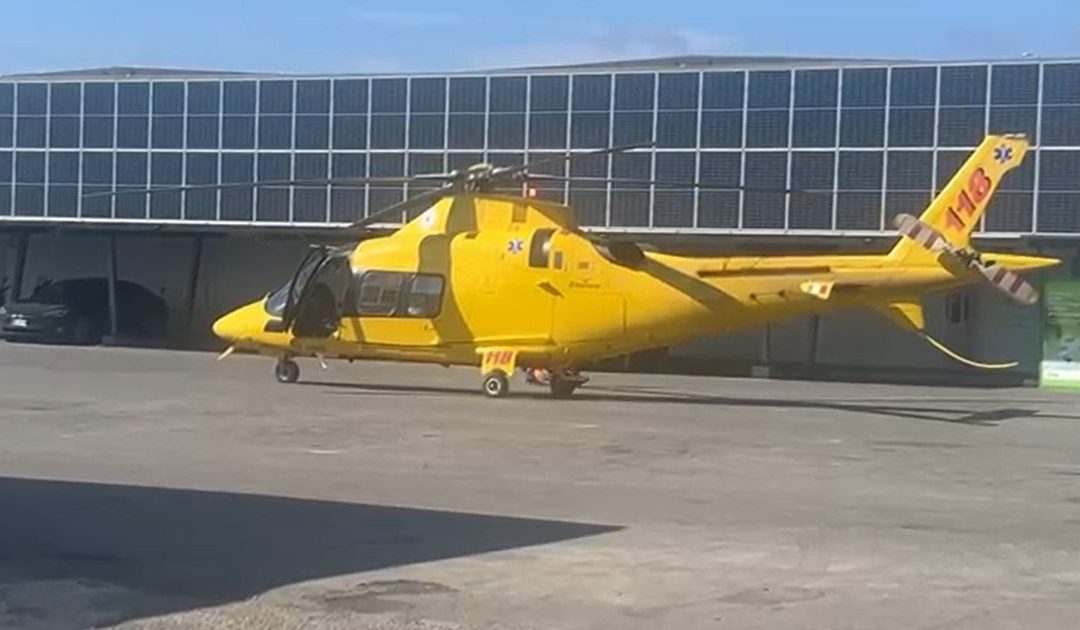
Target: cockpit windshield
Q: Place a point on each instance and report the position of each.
(278, 300)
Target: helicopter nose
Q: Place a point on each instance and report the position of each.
(230, 327)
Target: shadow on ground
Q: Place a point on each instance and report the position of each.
(173, 550)
(913, 409)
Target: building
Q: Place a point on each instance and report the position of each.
(865, 139)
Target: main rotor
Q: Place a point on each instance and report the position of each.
(482, 177)
(476, 178)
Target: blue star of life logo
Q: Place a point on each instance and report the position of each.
(1003, 154)
(516, 246)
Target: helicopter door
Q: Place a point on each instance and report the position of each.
(524, 295)
(316, 293)
(282, 302)
(590, 309)
(395, 308)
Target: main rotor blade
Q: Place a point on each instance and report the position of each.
(435, 176)
(343, 182)
(510, 170)
(666, 184)
(424, 198)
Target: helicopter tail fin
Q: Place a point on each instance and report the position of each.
(957, 210)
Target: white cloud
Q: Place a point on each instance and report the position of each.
(659, 41)
(404, 18)
(606, 45)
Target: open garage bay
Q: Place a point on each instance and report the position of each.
(161, 489)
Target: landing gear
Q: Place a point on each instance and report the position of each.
(497, 367)
(286, 371)
(495, 384)
(562, 382)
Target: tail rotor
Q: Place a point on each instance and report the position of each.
(966, 259)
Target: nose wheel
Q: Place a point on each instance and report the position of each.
(495, 384)
(286, 371)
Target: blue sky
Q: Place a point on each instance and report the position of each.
(384, 36)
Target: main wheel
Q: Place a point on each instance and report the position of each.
(562, 388)
(496, 385)
(286, 371)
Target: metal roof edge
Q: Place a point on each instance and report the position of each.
(676, 63)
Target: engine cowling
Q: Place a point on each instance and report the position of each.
(622, 253)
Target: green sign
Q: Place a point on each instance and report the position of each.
(1061, 335)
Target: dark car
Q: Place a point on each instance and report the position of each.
(77, 310)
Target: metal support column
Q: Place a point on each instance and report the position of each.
(22, 242)
(193, 285)
(815, 333)
(762, 369)
(113, 328)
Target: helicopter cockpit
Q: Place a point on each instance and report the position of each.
(311, 302)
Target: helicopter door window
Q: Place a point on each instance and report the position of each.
(540, 248)
(425, 296)
(379, 293)
(398, 294)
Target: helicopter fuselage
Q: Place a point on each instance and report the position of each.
(513, 282)
(481, 272)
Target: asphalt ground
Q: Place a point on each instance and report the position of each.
(156, 489)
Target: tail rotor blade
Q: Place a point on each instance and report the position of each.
(926, 236)
(1009, 283)
(1001, 278)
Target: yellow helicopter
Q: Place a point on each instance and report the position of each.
(507, 282)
